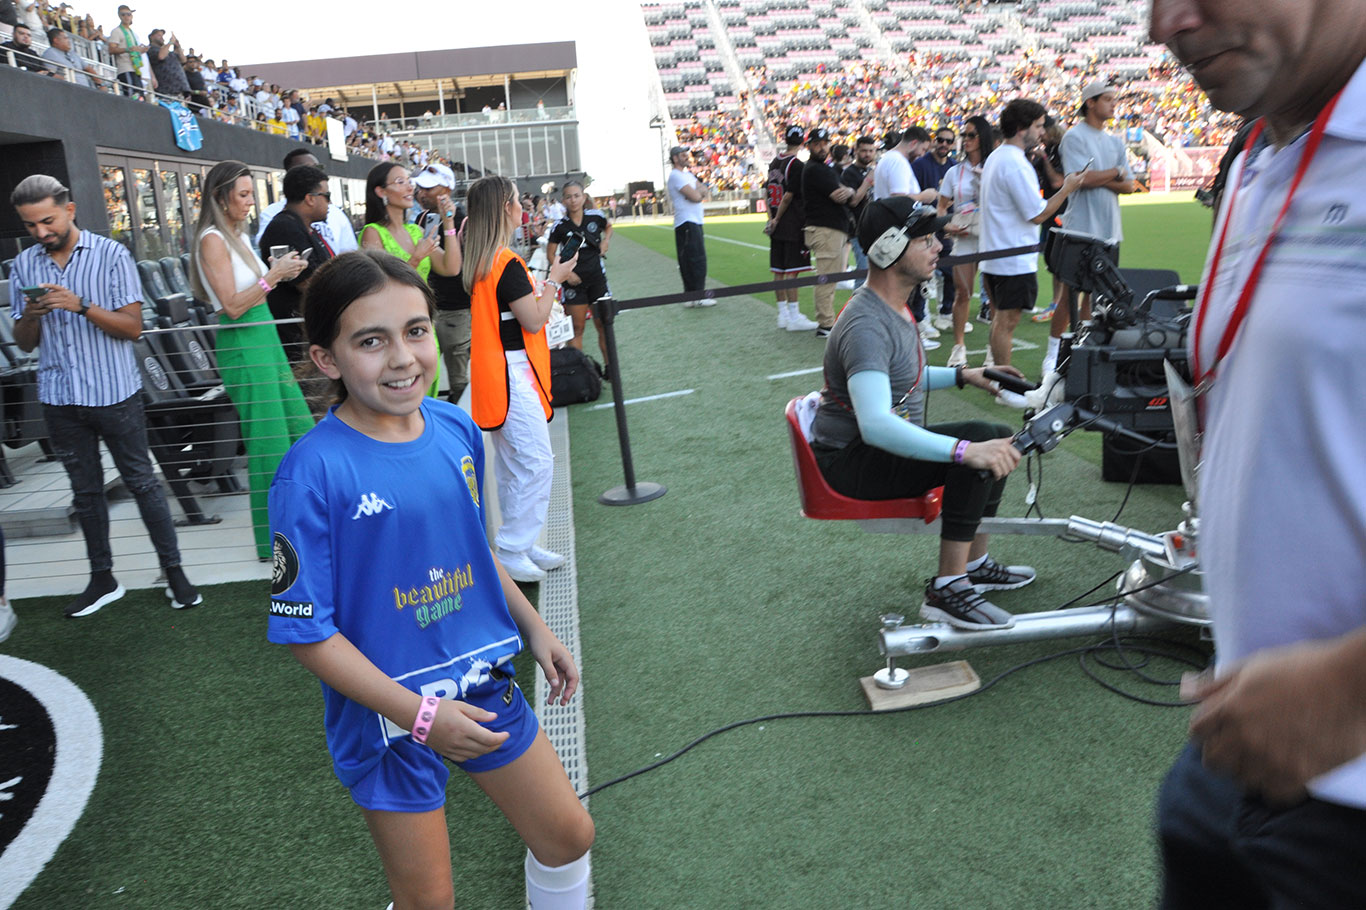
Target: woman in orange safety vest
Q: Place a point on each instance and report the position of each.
(510, 371)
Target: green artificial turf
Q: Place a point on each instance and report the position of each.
(716, 603)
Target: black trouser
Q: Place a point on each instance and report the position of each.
(862, 471)
(1222, 847)
(75, 433)
(692, 255)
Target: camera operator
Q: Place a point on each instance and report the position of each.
(869, 435)
(1266, 807)
(587, 284)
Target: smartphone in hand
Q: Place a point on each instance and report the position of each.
(35, 293)
(570, 247)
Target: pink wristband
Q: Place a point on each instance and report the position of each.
(959, 450)
(265, 287)
(451, 233)
(426, 716)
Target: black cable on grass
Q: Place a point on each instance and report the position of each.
(1116, 643)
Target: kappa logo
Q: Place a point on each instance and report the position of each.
(370, 505)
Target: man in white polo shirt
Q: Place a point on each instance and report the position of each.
(1012, 210)
(1266, 807)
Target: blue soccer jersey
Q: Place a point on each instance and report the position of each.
(385, 543)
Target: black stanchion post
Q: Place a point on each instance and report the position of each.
(632, 492)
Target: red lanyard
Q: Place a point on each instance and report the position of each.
(1244, 303)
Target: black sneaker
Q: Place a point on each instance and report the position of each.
(992, 576)
(959, 605)
(823, 331)
(984, 313)
(103, 589)
(178, 588)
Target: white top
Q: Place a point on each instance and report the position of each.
(1282, 486)
(336, 230)
(683, 209)
(1009, 197)
(243, 274)
(893, 176)
(1094, 211)
(960, 186)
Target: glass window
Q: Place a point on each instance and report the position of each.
(150, 244)
(175, 218)
(116, 204)
(194, 194)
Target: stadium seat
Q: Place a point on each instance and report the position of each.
(819, 500)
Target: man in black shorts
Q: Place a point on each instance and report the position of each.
(787, 253)
(869, 435)
(587, 284)
(1012, 211)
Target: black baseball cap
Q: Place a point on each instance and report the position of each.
(882, 215)
(678, 150)
(793, 135)
(819, 134)
(891, 140)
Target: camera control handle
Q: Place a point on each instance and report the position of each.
(1008, 382)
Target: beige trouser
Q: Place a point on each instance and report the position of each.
(453, 336)
(830, 250)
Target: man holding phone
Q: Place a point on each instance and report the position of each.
(1094, 208)
(76, 297)
(307, 200)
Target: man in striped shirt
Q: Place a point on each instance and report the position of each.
(76, 297)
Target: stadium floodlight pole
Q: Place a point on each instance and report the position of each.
(632, 493)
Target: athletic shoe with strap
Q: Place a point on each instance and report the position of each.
(958, 357)
(959, 605)
(992, 576)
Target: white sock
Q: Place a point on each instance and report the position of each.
(975, 564)
(558, 887)
(1053, 345)
(943, 581)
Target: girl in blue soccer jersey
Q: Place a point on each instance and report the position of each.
(386, 589)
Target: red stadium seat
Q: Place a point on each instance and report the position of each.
(821, 502)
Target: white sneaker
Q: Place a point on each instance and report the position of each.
(705, 303)
(796, 322)
(958, 357)
(689, 304)
(520, 567)
(989, 362)
(967, 326)
(782, 315)
(7, 619)
(546, 559)
(1047, 394)
(1012, 399)
(942, 323)
(927, 330)
(847, 284)
(929, 344)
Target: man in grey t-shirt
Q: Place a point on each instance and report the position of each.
(869, 435)
(1093, 209)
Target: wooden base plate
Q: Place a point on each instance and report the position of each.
(926, 684)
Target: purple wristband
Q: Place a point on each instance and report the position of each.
(426, 716)
(959, 450)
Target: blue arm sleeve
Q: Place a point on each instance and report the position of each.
(871, 393)
(941, 378)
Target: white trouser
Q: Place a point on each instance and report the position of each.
(524, 463)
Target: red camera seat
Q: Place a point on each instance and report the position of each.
(821, 502)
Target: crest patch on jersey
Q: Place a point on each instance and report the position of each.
(285, 570)
(471, 479)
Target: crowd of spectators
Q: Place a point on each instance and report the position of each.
(161, 68)
(869, 98)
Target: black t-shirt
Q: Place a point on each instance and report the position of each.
(288, 229)
(26, 57)
(513, 284)
(449, 292)
(8, 14)
(788, 170)
(593, 228)
(853, 177)
(819, 180)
